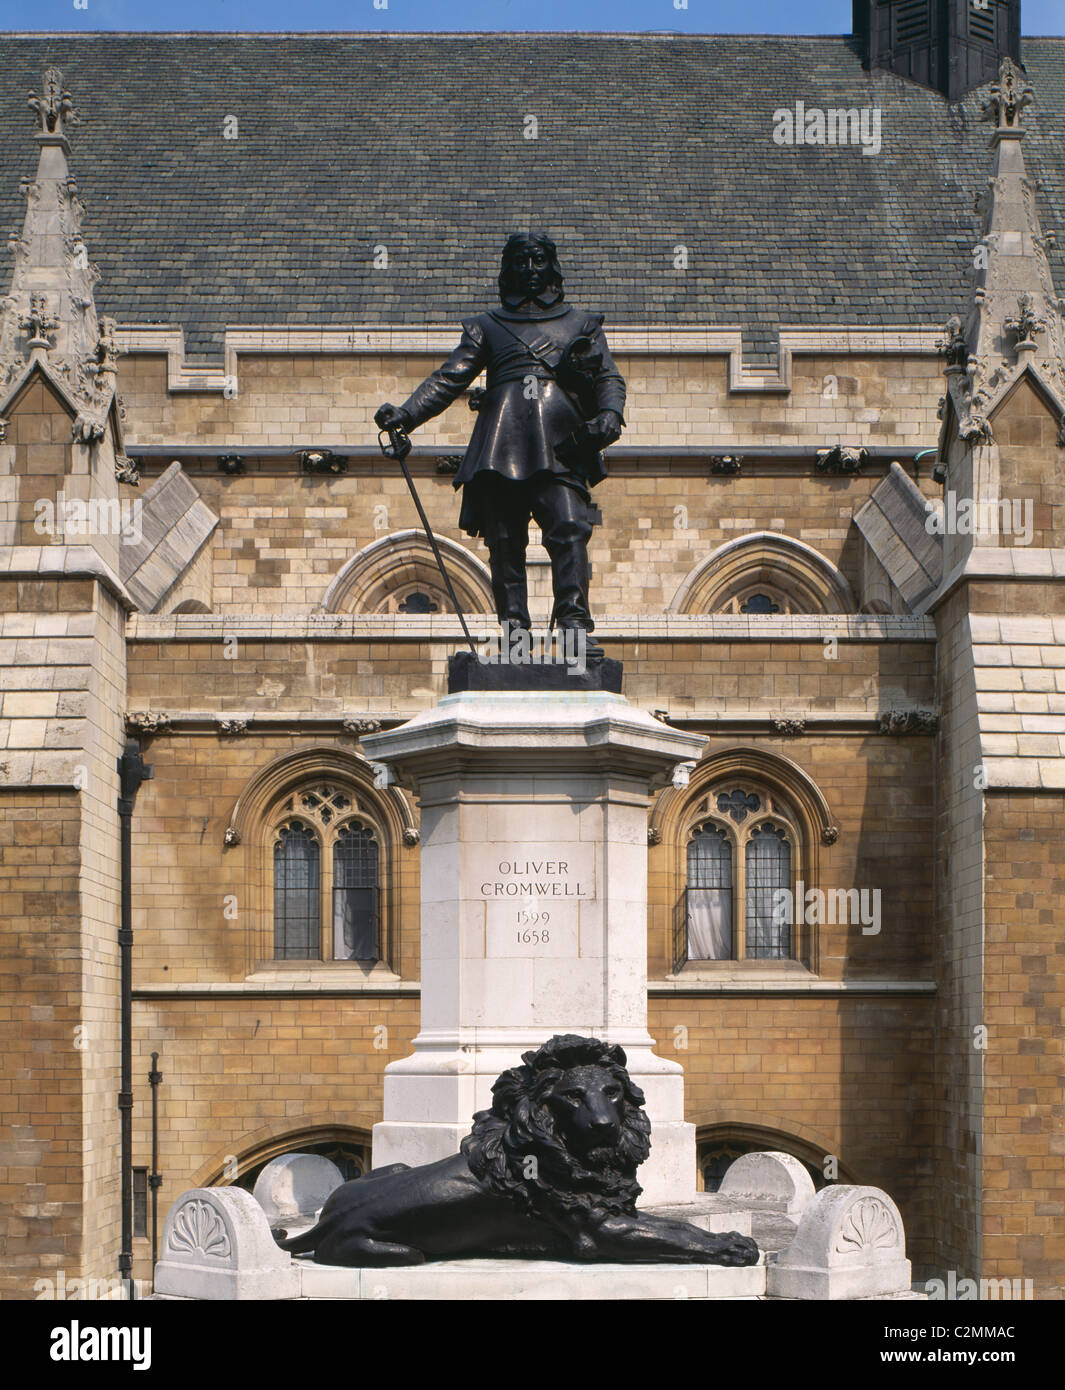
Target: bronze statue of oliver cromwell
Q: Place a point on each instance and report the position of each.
(553, 400)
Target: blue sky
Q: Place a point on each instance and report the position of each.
(700, 16)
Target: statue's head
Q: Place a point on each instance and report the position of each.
(529, 270)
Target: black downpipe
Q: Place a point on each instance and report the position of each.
(155, 1178)
(131, 773)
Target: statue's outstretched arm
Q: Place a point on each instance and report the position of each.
(449, 381)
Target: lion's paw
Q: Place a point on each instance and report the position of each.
(737, 1250)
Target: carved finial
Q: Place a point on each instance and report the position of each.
(1025, 324)
(39, 322)
(54, 105)
(1009, 96)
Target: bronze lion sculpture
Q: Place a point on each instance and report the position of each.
(548, 1172)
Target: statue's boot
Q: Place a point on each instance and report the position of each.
(566, 541)
(510, 588)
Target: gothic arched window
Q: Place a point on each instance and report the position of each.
(327, 871)
(297, 876)
(356, 911)
(768, 871)
(710, 854)
(747, 838)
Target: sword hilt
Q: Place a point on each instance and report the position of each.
(398, 446)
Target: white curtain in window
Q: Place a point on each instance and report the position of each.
(709, 924)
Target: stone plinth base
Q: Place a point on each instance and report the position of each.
(493, 1280)
(849, 1244)
(466, 672)
(534, 903)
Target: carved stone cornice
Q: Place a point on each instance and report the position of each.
(908, 721)
(841, 458)
(789, 725)
(322, 461)
(725, 465)
(449, 463)
(147, 721)
(364, 725)
(233, 726)
(231, 464)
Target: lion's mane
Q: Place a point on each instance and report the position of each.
(567, 1190)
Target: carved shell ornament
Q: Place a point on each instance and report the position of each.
(868, 1225)
(199, 1230)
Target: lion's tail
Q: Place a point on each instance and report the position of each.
(296, 1245)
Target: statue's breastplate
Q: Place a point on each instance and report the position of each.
(520, 348)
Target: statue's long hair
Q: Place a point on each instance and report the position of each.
(518, 241)
(570, 1190)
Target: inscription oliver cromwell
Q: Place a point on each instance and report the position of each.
(532, 901)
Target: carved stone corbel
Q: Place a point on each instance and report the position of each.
(842, 459)
(909, 721)
(783, 725)
(147, 721)
(322, 461)
(725, 465)
(361, 726)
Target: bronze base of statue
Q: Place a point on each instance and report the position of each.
(467, 672)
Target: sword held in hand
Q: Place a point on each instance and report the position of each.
(398, 447)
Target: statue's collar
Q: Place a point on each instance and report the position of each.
(530, 311)
(549, 305)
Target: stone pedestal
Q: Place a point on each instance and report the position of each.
(534, 907)
(849, 1244)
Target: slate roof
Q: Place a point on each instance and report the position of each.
(416, 143)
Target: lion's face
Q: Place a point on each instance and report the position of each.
(573, 1107)
(588, 1106)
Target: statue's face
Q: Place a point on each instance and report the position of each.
(530, 268)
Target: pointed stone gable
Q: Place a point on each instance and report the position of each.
(1015, 323)
(175, 524)
(48, 319)
(894, 522)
